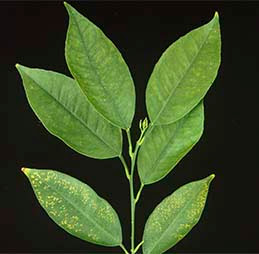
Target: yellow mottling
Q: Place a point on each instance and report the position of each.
(92, 235)
(54, 213)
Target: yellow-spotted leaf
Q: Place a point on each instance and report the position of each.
(183, 74)
(175, 216)
(100, 70)
(165, 145)
(75, 207)
(64, 110)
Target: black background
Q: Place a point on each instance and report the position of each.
(34, 34)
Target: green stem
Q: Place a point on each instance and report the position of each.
(132, 197)
(124, 249)
(130, 176)
(130, 143)
(139, 192)
(133, 156)
(125, 166)
(138, 246)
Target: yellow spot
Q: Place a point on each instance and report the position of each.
(216, 14)
(17, 65)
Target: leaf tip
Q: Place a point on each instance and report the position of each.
(211, 177)
(17, 66)
(67, 6)
(216, 15)
(25, 170)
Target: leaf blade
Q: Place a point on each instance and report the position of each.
(100, 70)
(175, 216)
(183, 74)
(165, 145)
(75, 207)
(65, 112)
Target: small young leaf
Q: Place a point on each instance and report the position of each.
(175, 216)
(75, 207)
(165, 145)
(100, 70)
(184, 74)
(63, 109)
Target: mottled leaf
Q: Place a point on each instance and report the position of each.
(165, 145)
(100, 70)
(64, 110)
(184, 74)
(75, 207)
(175, 216)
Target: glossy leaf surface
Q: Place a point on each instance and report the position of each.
(184, 74)
(64, 110)
(165, 145)
(75, 207)
(100, 70)
(175, 216)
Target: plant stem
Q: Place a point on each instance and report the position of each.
(125, 166)
(130, 143)
(132, 197)
(124, 249)
(133, 156)
(138, 246)
(139, 192)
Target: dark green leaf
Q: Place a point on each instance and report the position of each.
(165, 145)
(175, 216)
(100, 70)
(184, 74)
(75, 207)
(64, 110)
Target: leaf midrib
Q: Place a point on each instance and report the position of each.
(175, 218)
(80, 211)
(73, 115)
(184, 75)
(115, 108)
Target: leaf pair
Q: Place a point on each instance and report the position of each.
(88, 112)
(174, 96)
(76, 208)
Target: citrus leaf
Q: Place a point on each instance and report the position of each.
(184, 74)
(66, 113)
(175, 216)
(100, 70)
(165, 145)
(75, 207)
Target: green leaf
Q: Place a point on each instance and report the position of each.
(100, 70)
(175, 216)
(75, 207)
(184, 74)
(64, 110)
(165, 145)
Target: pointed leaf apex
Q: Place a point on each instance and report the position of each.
(67, 6)
(25, 170)
(17, 66)
(210, 178)
(216, 15)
